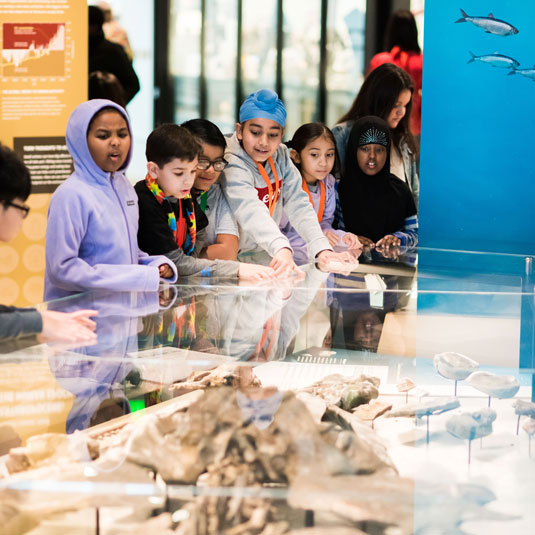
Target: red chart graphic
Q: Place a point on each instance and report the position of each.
(33, 49)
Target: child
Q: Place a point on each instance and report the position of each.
(168, 217)
(261, 180)
(91, 236)
(15, 322)
(313, 152)
(376, 205)
(220, 238)
(386, 92)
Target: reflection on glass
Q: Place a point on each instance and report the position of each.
(220, 62)
(300, 61)
(259, 45)
(345, 55)
(185, 57)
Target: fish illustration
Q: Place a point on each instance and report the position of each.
(490, 24)
(496, 60)
(528, 73)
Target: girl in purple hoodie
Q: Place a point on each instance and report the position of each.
(91, 235)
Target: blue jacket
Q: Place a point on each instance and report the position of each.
(91, 235)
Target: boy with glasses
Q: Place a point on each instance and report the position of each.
(169, 219)
(220, 238)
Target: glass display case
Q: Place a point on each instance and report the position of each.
(394, 399)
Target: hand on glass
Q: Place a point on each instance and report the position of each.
(284, 265)
(388, 241)
(366, 242)
(332, 237)
(351, 241)
(68, 327)
(165, 271)
(336, 262)
(255, 272)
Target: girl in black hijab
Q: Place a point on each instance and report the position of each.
(376, 205)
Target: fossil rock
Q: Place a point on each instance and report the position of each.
(49, 449)
(351, 391)
(405, 385)
(497, 386)
(454, 365)
(524, 408)
(470, 425)
(228, 374)
(427, 407)
(529, 426)
(382, 499)
(372, 410)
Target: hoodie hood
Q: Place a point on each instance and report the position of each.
(76, 137)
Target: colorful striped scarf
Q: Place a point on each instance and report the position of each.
(178, 232)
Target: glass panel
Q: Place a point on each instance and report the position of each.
(259, 45)
(220, 62)
(300, 61)
(185, 57)
(345, 55)
(233, 406)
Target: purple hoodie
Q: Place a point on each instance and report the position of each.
(91, 235)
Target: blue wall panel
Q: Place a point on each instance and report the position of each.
(478, 126)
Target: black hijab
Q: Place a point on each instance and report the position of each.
(372, 206)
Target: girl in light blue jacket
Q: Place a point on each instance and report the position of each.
(91, 236)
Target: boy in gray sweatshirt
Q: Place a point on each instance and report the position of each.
(261, 181)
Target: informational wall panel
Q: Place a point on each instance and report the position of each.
(43, 77)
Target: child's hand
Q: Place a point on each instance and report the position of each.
(337, 262)
(366, 242)
(351, 241)
(284, 265)
(388, 241)
(255, 272)
(70, 327)
(332, 237)
(165, 271)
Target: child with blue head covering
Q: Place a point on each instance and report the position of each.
(260, 182)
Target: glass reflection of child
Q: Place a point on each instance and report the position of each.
(313, 151)
(168, 216)
(261, 180)
(91, 235)
(376, 205)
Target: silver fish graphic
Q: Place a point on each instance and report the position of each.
(496, 60)
(528, 73)
(490, 24)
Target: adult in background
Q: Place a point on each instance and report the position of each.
(403, 50)
(106, 85)
(113, 30)
(386, 93)
(109, 57)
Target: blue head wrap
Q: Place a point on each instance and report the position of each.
(263, 104)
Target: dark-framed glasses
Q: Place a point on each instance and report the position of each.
(24, 208)
(218, 165)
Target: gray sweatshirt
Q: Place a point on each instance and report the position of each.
(247, 194)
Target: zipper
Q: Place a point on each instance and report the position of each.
(112, 176)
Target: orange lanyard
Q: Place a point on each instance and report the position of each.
(272, 201)
(322, 198)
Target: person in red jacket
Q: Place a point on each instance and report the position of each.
(401, 40)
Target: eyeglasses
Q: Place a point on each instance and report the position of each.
(24, 208)
(205, 163)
